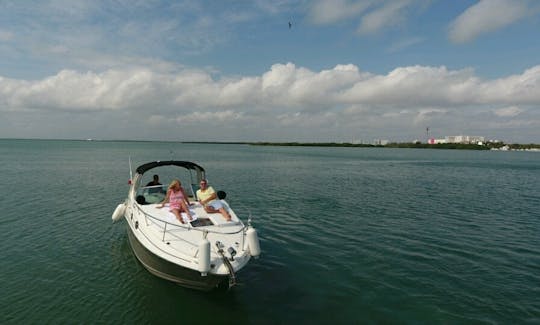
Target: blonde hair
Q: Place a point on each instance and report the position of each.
(174, 183)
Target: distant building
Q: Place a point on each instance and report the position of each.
(465, 139)
(436, 141)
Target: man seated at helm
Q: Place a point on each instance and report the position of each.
(208, 198)
(154, 185)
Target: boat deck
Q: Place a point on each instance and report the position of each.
(197, 211)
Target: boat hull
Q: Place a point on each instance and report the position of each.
(169, 271)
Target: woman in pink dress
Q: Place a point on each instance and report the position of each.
(177, 199)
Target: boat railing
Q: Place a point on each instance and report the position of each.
(169, 227)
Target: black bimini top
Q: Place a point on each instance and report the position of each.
(186, 164)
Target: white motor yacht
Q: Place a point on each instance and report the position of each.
(201, 254)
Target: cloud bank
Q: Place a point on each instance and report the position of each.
(285, 102)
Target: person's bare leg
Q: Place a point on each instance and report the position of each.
(225, 214)
(210, 209)
(178, 215)
(186, 209)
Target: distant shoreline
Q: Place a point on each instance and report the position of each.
(460, 146)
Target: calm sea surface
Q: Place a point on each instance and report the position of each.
(348, 235)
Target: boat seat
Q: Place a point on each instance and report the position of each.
(194, 189)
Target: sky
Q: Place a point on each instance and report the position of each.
(280, 71)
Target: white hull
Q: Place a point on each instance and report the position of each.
(172, 272)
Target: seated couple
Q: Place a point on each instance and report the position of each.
(208, 199)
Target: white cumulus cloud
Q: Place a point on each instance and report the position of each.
(285, 101)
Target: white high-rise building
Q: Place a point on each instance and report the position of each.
(464, 139)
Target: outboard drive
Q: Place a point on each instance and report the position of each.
(232, 276)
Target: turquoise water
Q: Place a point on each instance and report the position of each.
(348, 235)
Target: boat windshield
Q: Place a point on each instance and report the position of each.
(188, 173)
(151, 194)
